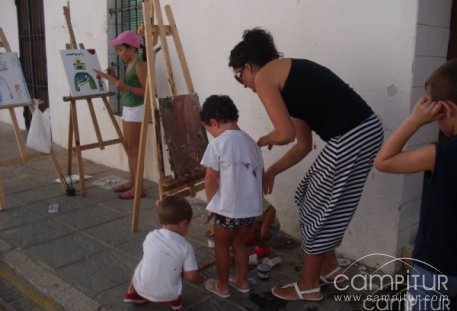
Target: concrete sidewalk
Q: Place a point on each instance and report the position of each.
(82, 257)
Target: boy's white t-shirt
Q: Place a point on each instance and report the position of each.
(238, 159)
(166, 254)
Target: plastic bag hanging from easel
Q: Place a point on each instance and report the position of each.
(39, 137)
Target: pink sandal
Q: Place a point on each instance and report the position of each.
(122, 188)
(130, 194)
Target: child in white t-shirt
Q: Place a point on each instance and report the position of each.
(167, 258)
(233, 184)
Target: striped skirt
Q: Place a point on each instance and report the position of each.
(330, 191)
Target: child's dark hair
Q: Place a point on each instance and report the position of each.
(443, 82)
(218, 107)
(257, 47)
(172, 210)
(142, 47)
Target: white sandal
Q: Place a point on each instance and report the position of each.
(300, 293)
(326, 278)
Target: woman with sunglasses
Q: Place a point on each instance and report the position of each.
(300, 97)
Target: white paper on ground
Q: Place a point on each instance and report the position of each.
(74, 178)
(109, 182)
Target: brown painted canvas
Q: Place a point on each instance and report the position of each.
(185, 136)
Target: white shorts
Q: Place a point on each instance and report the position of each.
(133, 114)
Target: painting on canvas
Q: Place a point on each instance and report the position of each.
(185, 135)
(13, 89)
(79, 68)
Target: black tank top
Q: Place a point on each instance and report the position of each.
(316, 95)
(437, 234)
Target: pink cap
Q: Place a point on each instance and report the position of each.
(127, 37)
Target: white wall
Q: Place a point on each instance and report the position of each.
(370, 44)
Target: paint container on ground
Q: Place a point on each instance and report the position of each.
(253, 259)
(272, 262)
(263, 271)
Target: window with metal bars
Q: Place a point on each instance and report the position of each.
(122, 15)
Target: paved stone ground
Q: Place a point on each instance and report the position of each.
(82, 257)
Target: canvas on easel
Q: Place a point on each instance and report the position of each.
(184, 134)
(14, 93)
(79, 65)
(79, 68)
(13, 89)
(177, 116)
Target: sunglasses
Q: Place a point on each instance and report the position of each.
(239, 75)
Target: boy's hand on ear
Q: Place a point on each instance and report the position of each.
(426, 111)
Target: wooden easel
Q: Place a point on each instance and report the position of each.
(73, 132)
(23, 157)
(152, 32)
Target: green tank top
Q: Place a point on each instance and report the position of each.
(128, 99)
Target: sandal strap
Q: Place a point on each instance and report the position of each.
(311, 291)
(300, 292)
(328, 275)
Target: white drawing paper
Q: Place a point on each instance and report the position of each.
(79, 68)
(13, 89)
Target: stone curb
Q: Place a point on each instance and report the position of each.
(40, 285)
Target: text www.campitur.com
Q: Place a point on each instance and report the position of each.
(348, 298)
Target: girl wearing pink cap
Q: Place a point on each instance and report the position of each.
(132, 92)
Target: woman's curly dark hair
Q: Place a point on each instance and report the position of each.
(220, 108)
(257, 47)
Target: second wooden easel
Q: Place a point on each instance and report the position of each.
(73, 132)
(23, 156)
(155, 29)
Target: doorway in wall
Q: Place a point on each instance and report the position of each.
(32, 49)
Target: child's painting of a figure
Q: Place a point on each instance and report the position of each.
(13, 89)
(79, 68)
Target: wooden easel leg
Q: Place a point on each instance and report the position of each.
(58, 169)
(115, 124)
(2, 197)
(164, 44)
(95, 123)
(70, 143)
(17, 132)
(179, 49)
(140, 166)
(74, 118)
